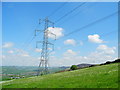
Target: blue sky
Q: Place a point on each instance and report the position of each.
(21, 18)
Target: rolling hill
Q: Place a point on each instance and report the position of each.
(105, 76)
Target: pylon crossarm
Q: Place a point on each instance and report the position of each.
(38, 42)
(35, 34)
(50, 43)
(52, 23)
(52, 47)
(52, 34)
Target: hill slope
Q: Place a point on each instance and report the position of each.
(105, 76)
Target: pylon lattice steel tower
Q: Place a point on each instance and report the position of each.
(43, 65)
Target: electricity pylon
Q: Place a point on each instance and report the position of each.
(43, 65)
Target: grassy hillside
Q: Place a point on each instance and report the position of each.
(105, 76)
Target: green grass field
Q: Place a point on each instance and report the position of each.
(105, 76)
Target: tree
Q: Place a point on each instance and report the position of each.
(73, 67)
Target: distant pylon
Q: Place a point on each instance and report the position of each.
(43, 65)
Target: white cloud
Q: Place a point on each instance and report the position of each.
(11, 51)
(70, 53)
(3, 56)
(99, 57)
(52, 53)
(49, 48)
(17, 57)
(25, 55)
(70, 42)
(8, 45)
(81, 43)
(102, 54)
(95, 38)
(39, 58)
(57, 31)
(21, 52)
(105, 49)
(38, 50)
(18, 60)
(58, 48)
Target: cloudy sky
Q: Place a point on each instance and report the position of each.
(85, 34)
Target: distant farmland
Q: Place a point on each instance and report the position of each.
(20, 71)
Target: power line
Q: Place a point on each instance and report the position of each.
(64, 15)
(102, 35)
(90, 24)
(69, 12)
(72, 16)
(31, 34)
(54, 13)
(57, 9)
(27, 42)
(106, 34)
